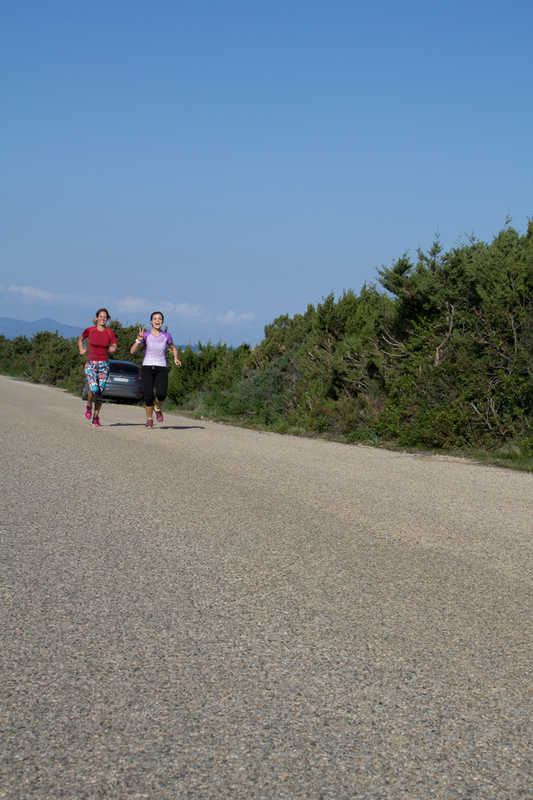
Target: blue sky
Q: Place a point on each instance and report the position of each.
(230, 161)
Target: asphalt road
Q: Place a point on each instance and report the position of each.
(200, 611)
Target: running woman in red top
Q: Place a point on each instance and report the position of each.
(99, 340)
(154, 370)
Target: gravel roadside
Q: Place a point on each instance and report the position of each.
(205, 611)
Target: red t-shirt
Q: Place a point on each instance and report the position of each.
(98, 343)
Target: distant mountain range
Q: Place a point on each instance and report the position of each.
(18, 327)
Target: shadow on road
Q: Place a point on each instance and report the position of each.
(156, 427)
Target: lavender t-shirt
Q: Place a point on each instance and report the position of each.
(155, 347)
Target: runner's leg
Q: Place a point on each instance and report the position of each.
(161, 386)
(102, 374)
(147, 378)
(92, 382)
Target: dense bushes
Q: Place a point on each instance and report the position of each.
(440, 356)
(50, 358)
(461, 332)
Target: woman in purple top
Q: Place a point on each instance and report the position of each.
(154, 370)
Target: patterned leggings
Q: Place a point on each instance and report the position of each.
(97, 373)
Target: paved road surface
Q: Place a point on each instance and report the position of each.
(200, 611)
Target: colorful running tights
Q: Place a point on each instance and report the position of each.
(97, 373)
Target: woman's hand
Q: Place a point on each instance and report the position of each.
(113, 348)
(174, 349)
(83, 350)
(140, 334)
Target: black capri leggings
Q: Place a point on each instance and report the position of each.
(154, 376)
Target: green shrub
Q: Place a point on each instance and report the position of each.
(441, 357)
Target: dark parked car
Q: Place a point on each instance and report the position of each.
(124, 382)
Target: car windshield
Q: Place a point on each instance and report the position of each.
(123, 369)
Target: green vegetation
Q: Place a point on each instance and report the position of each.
(50, 358)
(439, 357)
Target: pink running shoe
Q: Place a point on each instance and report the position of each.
(88, 412)
(96, 422)
(149, 423)
(159, 415)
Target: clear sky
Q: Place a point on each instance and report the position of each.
(229, 161)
